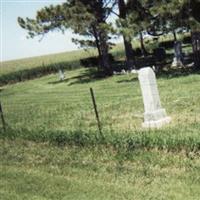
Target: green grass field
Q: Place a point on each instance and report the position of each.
(52, 148)
(38, 171)
(48, 104)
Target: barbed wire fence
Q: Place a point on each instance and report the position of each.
(76, 110)
(57, 106)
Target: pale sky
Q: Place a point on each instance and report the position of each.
(15, 45)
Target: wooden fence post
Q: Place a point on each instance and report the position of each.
(96, 112)
(2, 118)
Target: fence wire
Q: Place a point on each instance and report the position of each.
(74, 109)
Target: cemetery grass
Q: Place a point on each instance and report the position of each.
(30, 170)
(62, 113)
(52, 148)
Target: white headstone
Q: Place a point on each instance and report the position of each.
(154, 115)
(61, 75)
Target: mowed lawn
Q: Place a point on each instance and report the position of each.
(37, 171)
(32, 169)
(50, 104)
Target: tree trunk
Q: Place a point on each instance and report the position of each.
(101, 39)
(105, 62)
(127, 42)
(98, 46)
(196, 48)
(129, 53)
(102, 47)
(144, 51)
(175, 37)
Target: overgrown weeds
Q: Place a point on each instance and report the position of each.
(170, 139)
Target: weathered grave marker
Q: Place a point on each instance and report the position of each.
(178, 55)
(154, 115)
(61, 75)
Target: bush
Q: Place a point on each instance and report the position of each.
(93, 61)
(187, 39)
(167, 44)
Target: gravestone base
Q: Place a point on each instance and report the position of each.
(156, 124)
(177, 63)
(156, 119)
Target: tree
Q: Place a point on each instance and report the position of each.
(123, 11)
(195, 26)
(131, 23)
(182, 14)
(164, 16)
(138, 19)
(86, 18)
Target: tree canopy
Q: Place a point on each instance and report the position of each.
(90, 20)
(86, 18)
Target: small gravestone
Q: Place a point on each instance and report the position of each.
(61, 75)
(154, 115)
(178, 55)
(134, 71)
(123, 71)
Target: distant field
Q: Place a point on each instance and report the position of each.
(29, 63)
(52, 59)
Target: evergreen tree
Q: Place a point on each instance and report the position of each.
(181, 14)
(135, 21)
(159, 17)
(123, 11)
(195, 33)
(86, 18)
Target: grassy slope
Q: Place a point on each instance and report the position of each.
(50, 104)
(46, 108)
(34, 62)
(32, 170)
(41, 171)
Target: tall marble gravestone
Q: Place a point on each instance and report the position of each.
(154, 115)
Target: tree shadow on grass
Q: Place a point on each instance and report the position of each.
(89, 75)
(178, 72)
(134, 79)
(59, 81)
(187, 69)
(163, 67)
